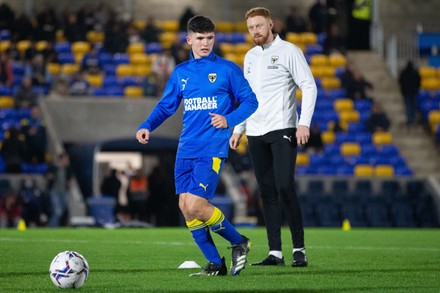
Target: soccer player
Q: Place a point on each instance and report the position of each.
(275, 69)
(209, 86)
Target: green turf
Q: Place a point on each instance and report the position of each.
(146, 260)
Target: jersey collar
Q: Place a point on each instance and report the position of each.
(210, 57)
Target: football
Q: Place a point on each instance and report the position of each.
(69, 269)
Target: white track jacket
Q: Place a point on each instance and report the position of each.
(274, 72)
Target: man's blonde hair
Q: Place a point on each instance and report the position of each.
(258, 11)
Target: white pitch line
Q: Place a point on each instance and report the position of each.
(176, 243)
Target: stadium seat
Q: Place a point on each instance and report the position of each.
(110, 81)
(363, 170)
(135, 48)
(142, 70)
(343, 105)
(337, 60)
(319, 60)
(66, 58)
(349, 116)
(6, 102)
(4, 45)
(227, 48)
(153, 48)
(242, 48)
(169, 25)
(124, 70)
(241, 27)
(350, 149)
(95, 37)
(140, 24)
(328, 137)
(94, 80)
(167, 39)
(434, 118)
(430, 84)
(133, 92)
(308, 38)
(427, 72)
(224, 26)
(80, 47)
(69, 69)
(139, 59)
(121, 58)
(62, 47)
(293, 38)
(23, 45)
(41, 45)
(329, 83)
(302, 159)
(384, 171)
(382, 138)
(105, 59)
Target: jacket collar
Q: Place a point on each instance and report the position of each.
(276, 40)
(210, 57)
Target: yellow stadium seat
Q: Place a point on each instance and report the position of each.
(231, 57)
(41, 45)
(434, 117)
(249, 39)
(328, 137)
(317, 71)
(243, 145)
(328, 71)
(69, 69)
(80, 47)
(142, 70)
(227, 48)
(23, 45)
(308, 38)
(167, 39)
(337, 60)
(133, 91)
(427, 72)
(124, 70)
(293, 38)
(4, 45)
(340, 105)
(94, 80)
(299, 94)
(6, 102)
(381, 138)
(95, 37)
(78, 57)
(240, 59)
(384, 171)
(224, 26)
(53, 68)
(363, 170)
(330, 83)
(242, 48)
(59, 36)
(430, 84)
(349, 116)
(240, 27)
(135, 48)
(169, 25)
(140, 24)
(319, 60)
(350, 149)
(139, 58)
(302, 159)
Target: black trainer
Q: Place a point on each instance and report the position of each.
(299, 259)
(212, 269)
(239, 255)
(271, 260)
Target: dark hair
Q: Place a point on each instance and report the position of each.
(200, 24)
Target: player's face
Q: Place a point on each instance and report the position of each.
(201, 43)
(260, 29)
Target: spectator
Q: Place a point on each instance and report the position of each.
(86, 17)
(14, 150)
(37, 71)
(295, 22)
(49, 53)
(318, 16)
(378, 120)
(162, 67)
(30, 52)
(23, 28)
(138, 195)
(7, 17)
(116, 40)
(46, 24)
(151, 32)
(78, 86)
(156, 201)
(90, 63)
(315, 144)
(10, 210)
(25, 96)
(132, 33)
(409, 81)
(334, 43)
(183, 20)
(357, 87)
(58, 178)
(32, 202)
(73, 29)
(6, 75)
(35, 134)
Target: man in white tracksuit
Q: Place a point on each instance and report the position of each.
(275, 69)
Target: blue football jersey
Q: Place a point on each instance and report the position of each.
(206, 85)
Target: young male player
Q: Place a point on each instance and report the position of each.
(209, 86)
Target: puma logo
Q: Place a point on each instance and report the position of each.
(185, 81)
(203, 186)
(289, 138)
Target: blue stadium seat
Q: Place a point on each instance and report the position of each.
(62, 47)
(105, 58)
(66, 58)
(153, 48)
(110, 81)
(121, 58)
(110, 70)
(5, 35)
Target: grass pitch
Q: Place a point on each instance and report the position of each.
(146, 260)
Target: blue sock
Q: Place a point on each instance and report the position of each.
(220, 225)
(203, 239)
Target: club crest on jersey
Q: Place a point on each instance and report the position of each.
(274, 59)
(212, 77)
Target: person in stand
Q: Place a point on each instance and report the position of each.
(209, 87)
(409, 81)
(275, 69)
